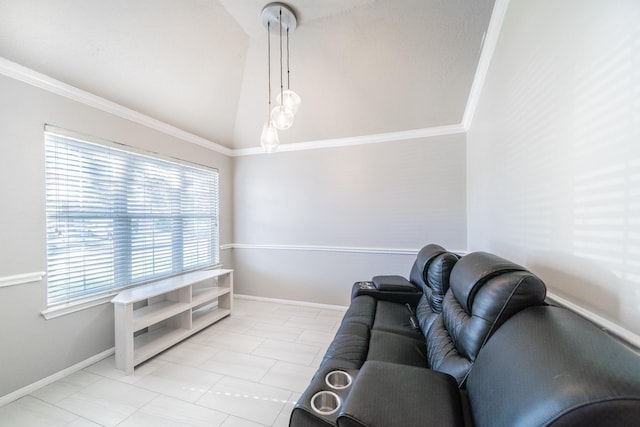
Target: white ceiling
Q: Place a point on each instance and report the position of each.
(361, 66)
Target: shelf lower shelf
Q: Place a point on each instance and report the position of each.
(203, 318)
(151, 343)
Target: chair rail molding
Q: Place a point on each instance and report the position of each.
(348, 249)
(20, 279)
(606, 325)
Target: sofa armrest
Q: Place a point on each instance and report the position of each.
(388, 288)
(393, 284)
(385, 394)
(549, 366)
(306, 410)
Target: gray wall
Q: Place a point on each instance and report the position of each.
(554, 151)
(33, 348)
(347, 212)
(318, 212)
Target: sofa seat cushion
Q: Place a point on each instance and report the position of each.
(396, 348)
(361, 310)
(385, 394)
(392, 317)
(350, 345)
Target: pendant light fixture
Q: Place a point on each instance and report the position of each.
(281, 18)
(269, 138)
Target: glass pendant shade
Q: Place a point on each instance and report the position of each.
(290, 99)
(269, 139)
(281, 19)
(281, 117)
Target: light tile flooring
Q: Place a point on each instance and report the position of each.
(246, 370)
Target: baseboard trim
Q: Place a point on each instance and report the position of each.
(8, 398)
(607, 325)
(610, 327)
(291, 302)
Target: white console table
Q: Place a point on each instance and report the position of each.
(153, 317)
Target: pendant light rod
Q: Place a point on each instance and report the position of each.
(281, 81)
(269, 66)
(288, 72)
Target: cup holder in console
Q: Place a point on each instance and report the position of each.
(338, 380)
(325, 397)
(366, 285)
(325, 402)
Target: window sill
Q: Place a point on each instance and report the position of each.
(59, 310)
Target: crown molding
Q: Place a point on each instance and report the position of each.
(26, 75)
(357, 140)
(486, 54)
(42, 81)
(39, 80)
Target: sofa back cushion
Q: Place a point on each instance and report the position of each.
(431, 273)
(485, 291)
(418, 273)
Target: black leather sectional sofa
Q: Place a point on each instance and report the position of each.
(468, 341)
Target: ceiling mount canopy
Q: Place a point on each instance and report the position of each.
(279, 18)
(271, 15)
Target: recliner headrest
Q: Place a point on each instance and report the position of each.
(473, 270)
(418, 273)
(425, 256)
(439, 273)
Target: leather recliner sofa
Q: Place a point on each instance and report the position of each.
(468, 342)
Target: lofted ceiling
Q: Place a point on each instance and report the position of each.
(361, 66)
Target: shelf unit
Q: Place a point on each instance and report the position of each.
(153, 317)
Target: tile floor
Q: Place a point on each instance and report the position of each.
(246, 370)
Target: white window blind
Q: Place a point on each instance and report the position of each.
(116, 218)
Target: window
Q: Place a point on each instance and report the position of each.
(117, 218)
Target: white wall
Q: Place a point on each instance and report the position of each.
(554, 151)
(323, 209)
(33, 348)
